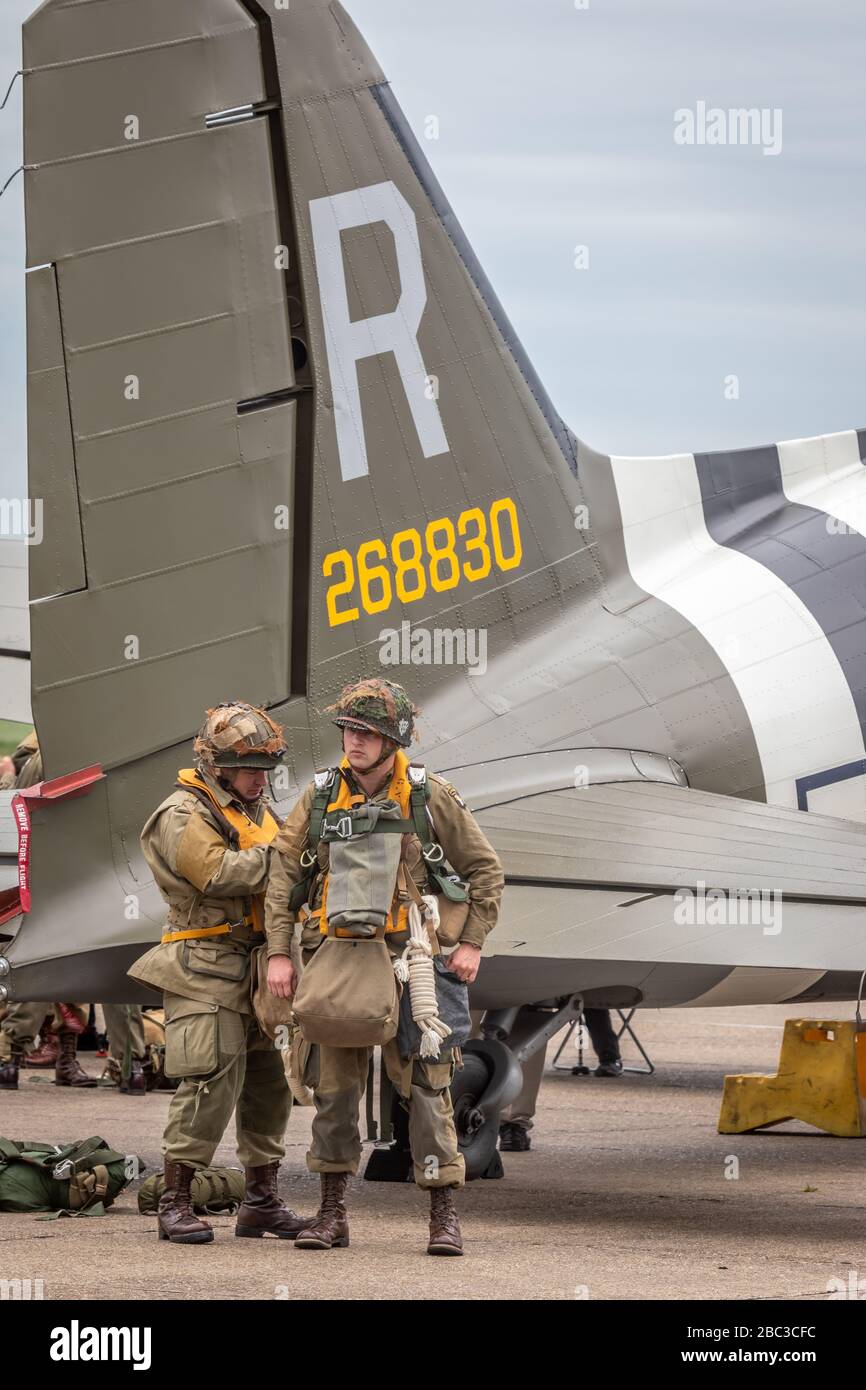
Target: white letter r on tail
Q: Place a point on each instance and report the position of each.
(397, 332)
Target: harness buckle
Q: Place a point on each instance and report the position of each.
(308, 859)
(433, 854)
(343, 827)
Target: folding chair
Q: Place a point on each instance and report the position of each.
(625, 1027)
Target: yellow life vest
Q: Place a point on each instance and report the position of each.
(248, 833)
(398, 790)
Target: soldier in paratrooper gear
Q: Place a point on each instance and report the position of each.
(209, 847)
(377, 722)
(25, 1019)
(128, 1060)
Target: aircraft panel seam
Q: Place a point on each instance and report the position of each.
(187, 650)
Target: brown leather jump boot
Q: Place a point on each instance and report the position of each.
(136, 1083)
(262, 1211)
(445, 1238)
(67, 1071)
(46, 1054)
(177, 1220)
(329, 1228)
(9, 1070)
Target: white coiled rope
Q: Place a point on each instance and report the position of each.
(415, 968)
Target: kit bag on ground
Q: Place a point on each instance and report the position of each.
(79, 1179)
(211, 1189)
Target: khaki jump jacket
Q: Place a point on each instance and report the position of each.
(205, 884)
(466, 847)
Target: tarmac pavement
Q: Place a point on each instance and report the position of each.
(624, 1195)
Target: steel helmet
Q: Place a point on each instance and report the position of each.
(236, 734)
(378, 706)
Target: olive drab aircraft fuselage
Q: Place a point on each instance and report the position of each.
(284, 435)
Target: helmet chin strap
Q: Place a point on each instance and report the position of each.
(385, 754)
(389, 748)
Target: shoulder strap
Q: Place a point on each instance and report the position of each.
(227, 830)
(419, 795)
(326, 785)
(438, 870)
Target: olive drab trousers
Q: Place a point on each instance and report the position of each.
(226, 1063)
(124, 1025)
(338, 1088)
(24, 1022)
(21, 1026)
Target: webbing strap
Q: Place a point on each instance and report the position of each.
(226, 828)
(342, 825)
(434, 856)
(324, 796)
(326, 783)
(372, 1130)
(418, 796)
(221, 930)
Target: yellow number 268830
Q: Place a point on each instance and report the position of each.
(411, 562)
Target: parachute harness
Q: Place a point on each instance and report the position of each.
(415, 968)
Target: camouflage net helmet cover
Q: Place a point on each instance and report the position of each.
(236, 734)
(25, 750)
(380, 706)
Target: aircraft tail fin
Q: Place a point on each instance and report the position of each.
(274, 403)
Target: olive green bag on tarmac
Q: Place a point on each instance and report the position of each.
(212, 1190)
(79, 1179)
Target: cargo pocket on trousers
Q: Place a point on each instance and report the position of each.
(191, 1038)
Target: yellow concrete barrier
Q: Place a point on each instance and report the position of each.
(821, 1080)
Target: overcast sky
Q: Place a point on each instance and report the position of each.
(556, 130)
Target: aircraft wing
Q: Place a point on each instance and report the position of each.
(673, 894)
(632, 887)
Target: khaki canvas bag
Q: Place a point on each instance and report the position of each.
(348, 995)
(271, 1013)
(452, 915)
(452, 920)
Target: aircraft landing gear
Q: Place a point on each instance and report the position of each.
(490, 1079)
